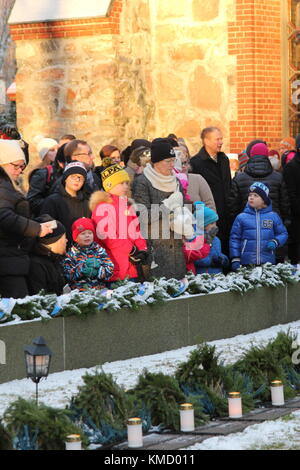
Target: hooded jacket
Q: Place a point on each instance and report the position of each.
(260, 169)
(65, 208)
(118, 231)
(250, 233)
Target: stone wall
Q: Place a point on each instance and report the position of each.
(168, 70)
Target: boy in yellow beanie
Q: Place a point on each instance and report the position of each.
(117, 225)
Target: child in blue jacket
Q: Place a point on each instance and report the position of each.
(216, 260)
(257, 231)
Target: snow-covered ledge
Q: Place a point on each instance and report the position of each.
(107, 337)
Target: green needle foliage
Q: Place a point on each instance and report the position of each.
(103, 400)
(5, 438)
(53, 425)
(162, 396)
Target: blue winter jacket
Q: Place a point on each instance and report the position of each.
(250, 233)
(214, 262)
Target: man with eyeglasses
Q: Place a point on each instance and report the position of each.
(79, 150)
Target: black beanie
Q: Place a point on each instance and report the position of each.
(57, 232)
(73, 168)
(161, 149)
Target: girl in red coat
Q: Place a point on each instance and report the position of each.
(117, 225)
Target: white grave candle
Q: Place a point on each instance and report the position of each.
(134, 432)
(235, 405)
(187, 421)
(277, 394)
(73, 442)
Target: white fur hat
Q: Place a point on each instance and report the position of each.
(44, 144)
(10, 151)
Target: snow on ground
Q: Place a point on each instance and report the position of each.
(281, 434)
(59, 387)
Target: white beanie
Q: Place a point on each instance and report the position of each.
(10, 151)
(43, 145)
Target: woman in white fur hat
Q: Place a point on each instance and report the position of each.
(17, 230)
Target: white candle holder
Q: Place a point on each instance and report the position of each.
(277, 394)
(187, 420)
(73, 442)
(235, 405)
(134, 433)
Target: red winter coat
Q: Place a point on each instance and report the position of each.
(118, 231)
(197, 249)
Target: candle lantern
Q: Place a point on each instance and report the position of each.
(134, 432)
(37, 361)
(277, 394)
(187, 421)
(73, 442)
(235, 405)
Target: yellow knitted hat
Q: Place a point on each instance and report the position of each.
(112, 176)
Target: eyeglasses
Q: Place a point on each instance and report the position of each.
(185, 163)
(76, 178)
(87, 154)
(18, 167)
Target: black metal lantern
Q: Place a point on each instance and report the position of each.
(37, 361)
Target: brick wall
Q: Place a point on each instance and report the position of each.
(70, 28)
(255, 38)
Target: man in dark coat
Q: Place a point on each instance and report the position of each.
(211, 163)
(291, 175)
(259, 168)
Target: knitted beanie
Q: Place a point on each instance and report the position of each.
(43, 145)
(113, 175)
(80, 225)
(210, 216)
(161, 149)
(10, 151)
(74, 168)
(243, 159)
(262, 190)
(259, 149)
(57, 232)
(288, 143)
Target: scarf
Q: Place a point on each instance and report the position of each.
(167, 184)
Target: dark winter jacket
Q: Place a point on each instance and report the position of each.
(250, 233)
(218, 176)
(41, 182)
(65, 208)
(214, 262)
(167, 251)
(45, 272)
(259, 168)
(291, 175)
(17, 230)
(74, 264)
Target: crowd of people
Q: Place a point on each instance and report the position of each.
(148, 211)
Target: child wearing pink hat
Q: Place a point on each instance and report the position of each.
(86, 265)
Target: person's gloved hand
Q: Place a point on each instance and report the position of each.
(138, 256)
(272, 245)
(91, 267)
(235, 265)
(174, 201)
(182, 223)
(220, 260)
(210, 234)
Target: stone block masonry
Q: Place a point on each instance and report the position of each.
(151, 67)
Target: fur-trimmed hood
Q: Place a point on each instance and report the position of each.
(99, 197)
